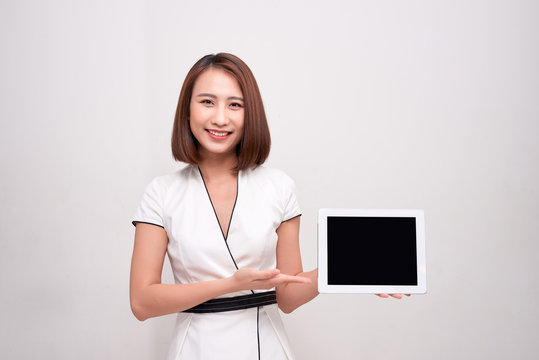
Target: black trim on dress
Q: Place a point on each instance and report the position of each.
(228, 248)
(258, 327)
(135, 222)
(293, 217)
(231, 214)
(240, 302)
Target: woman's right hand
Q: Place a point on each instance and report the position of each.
(252, 279)
(396, 296)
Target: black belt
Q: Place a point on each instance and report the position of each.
(235, 303)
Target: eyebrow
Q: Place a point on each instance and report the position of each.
(215, 97)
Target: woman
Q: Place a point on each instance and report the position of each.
(229, 226)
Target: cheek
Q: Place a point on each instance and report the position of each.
(240, 129)
(240, 122)
(192, 109)
(195, 118)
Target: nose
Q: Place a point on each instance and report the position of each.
(221, 117)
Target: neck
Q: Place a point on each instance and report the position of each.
(218, 167)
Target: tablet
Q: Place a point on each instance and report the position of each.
(371, 251)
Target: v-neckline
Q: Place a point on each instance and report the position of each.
(225, 235)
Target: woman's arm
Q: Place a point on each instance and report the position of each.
(150, 298)
(291, 296)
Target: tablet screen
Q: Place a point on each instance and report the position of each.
(371, 250)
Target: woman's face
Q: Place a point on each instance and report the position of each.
(216, 113)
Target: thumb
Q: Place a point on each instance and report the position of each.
(268, 274)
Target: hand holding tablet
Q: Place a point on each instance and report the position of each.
(371, 251)
(396, 296)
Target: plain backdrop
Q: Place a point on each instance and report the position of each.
(371, 104)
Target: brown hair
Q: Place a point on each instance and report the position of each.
(254, 145)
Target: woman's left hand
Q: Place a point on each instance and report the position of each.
(396, 296)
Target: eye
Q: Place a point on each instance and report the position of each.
(206, 101)
(236, 105)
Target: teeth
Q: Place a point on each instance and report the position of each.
(218, 133)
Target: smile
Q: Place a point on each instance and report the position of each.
(218, 133)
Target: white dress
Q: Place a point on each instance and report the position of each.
(198, 251)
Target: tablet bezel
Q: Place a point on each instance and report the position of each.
(324, 287)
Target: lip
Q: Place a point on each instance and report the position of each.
(214, 134)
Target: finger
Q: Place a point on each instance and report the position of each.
(286, 279)
(268, 274)
(249, 274)
(294, 279)
(382, 295)
(397, 296)
(300, 280)
(263, 274)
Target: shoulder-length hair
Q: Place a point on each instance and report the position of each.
(254, 146)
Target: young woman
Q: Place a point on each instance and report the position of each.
(229, 225)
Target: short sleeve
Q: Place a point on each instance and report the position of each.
(150, 209)
(290, 200)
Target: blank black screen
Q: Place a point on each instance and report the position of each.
(371, 250)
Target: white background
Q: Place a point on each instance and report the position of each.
(380, 104)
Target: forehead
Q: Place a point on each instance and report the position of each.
(218, 82)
